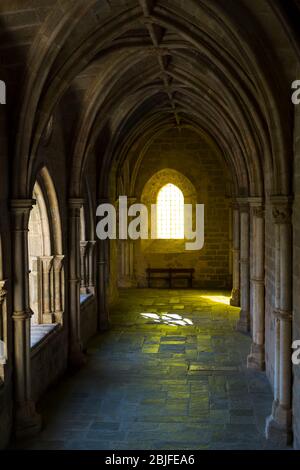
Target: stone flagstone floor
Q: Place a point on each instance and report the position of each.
(170, 374)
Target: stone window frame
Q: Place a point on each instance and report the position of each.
(149, 196)
(50, 265)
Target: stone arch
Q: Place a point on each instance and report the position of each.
(46, 183)
(163, 177)
(87, 243)
(39, 247)
(45, 253)
(48, 52)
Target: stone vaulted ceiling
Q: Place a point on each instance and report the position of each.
(131, 68)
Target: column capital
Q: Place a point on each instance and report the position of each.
(234, 204)
(20, 212)
(243, 203)
(75, 203)
(3, 290)
(257, 205)
(47, 262)
(256, 201)
(58, 262)
(282, 209)
(84, 243)
(22, 204)
(284, 315)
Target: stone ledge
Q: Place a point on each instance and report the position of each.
(84, 298)
(40, 335)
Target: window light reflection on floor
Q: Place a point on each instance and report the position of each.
(170, 319)
(220, 299)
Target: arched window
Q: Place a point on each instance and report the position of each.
(170, 213)
(39, 246)
(46, 267)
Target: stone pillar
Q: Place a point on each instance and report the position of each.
(76, 356)
(46, 273)
(27, 421)
(244, 321)
(3, 352)
(256, 359)
(91, 267)
(127, 275)
(83, 267)
(102, 268)
(235, 295)
(58, 281)
(279, 424)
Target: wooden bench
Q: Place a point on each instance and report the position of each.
(170, 275)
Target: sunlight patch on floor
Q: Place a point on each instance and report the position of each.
(171, 319)
(220, 299)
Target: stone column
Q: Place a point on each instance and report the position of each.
(256, 359)
(279, 424)
(27, 421)
(127, 276)
(3, 352)
(91, 266)
(58, 280)
(46, 272)
(76, 356)
(244, 321)
(235, 295)
(102, 267)
(83, 267)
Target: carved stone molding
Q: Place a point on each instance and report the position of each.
(20, 209)
(258, 212)
(282, 209)
(243, 204)
(58, 262)
(258, 282)
(283, 315)
(3, 291)
(75, 205)
(282, 215)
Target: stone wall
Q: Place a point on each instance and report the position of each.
(5, 414)
(5, 274)
(88, 319)
(49, 362)
(296, 277)
(198, 161)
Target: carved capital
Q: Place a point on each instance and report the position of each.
(258, 212)
(83, 247)
(20, 209)
(46, 262)
(282, 209)
(75, 204)
(284, 315)
(58, 262)
(257, 207)
(243, 204)
(282, 214)
(3, 290)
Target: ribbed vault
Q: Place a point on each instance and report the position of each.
(141, 66)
